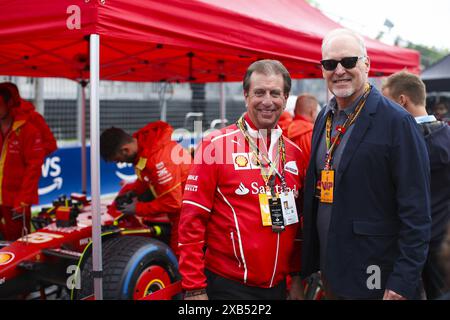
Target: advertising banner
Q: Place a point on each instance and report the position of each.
(61, 175)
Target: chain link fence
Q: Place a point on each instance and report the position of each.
(131, 105)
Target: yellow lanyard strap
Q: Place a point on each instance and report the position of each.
(255, 150)
(342, 129)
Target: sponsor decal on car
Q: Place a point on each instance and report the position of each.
(6, 257)
(39, 237)
(54, 228)
(85, 241)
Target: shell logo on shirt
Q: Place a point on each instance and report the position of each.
(245, 161)
(241, 161)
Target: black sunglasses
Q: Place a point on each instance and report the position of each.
(347, 63)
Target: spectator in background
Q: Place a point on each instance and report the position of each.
(300, 130)
(34, 117)
(409, 91)
(22, 155)
(440, 110)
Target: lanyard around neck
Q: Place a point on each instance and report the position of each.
(257, 153)
(333, 143)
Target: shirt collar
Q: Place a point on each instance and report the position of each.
(427, 118)
(254, 132)
(275, 134)
(250, 124)
(333, 107)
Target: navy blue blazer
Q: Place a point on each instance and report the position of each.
(381, 210)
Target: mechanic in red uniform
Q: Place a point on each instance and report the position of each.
(301, 128)
(161, 166)
(284, 121)
(234, 243)
(34, 117)
(21, 158)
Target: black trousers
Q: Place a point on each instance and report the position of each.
(433, 276)
(220, 288)
(329, 295)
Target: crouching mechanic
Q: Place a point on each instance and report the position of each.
(161, 166)
(22, 155)
(239, 219)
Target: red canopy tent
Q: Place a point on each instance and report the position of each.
(170, 40)
(177, 40)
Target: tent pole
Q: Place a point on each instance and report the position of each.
(81, 132)
(163, 102)
(79, 112)
(95, 165)
(39, 101)
(222, 104)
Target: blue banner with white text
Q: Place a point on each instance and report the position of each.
(61, 175)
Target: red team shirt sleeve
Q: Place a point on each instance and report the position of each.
(164, 180)
(195, 212)
(295, 261)
(33, 155)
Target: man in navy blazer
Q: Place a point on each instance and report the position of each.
(367, 193)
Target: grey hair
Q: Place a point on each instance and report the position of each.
(342, 31)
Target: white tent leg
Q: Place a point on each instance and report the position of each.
(164, 110)
(81, 132)
(163, 102)
(223, 106)
(95, 166)
(39, 101)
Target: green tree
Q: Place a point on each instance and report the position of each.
(428, 55)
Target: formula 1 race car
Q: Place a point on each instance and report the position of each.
(137, 263)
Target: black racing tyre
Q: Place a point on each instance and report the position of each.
(133, 267)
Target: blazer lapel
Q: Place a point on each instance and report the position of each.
(319, 127)
(311, 178)
(362, 124)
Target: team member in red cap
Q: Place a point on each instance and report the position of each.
(22, 155)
